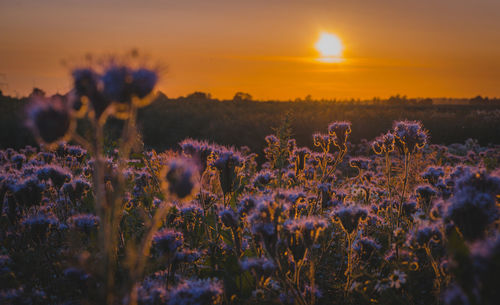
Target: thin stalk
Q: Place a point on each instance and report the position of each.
(405, 183)
(312, 280)
(334, 165)
(284, 278)
(349, 262)
(390, 213)
(434, 266)
(102, 209)
(388, 173)
(145, 249)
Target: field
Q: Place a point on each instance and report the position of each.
(136, 199)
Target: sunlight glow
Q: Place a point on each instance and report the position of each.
(330, 47)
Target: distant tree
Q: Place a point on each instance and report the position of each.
(242, 97)
(426, 102)
(198, 95)
(308, 98)
(160, 96)
(1, 92)
(495, 101)
(397, 100)
(37, 92)
(478, 100)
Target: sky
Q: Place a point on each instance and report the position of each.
(425, 48)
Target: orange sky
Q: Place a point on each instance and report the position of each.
(264, 47)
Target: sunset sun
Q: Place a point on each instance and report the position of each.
(329, 46)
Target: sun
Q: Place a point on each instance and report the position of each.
(329, 45)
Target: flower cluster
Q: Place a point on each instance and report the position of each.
(409, 135)
(338, 132)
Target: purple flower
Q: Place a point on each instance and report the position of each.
(423, 235)
(117, 82)
(383, 143)
(326, 193)
(350, 217)
(432, 174)
(299, 157)
(167, 241)
(454, 295)
(196, 292)
(152, 292)
(264, 220)
(321, 140)
(473, 205)
(49, 119)
(76, 275)
(291, 196)
(263, 178)
(338, 132)
(56, 174)
(187, 256)
(191, 209)
(410, 135)
(227, 164)
(360, 163)
(409, 208)
(85, 82)
(75, 151)
(246, 205)
(18, 159)
(28, 191)
(485, 257)
(199, 150)
(397, 279)
(260, 266)
(143, 82)
(180, 177)
(305, 229)
(272, 140)
(86, 223)
(425, 193)
(365, 247)
(40, 224)
(76, 189)
(229, 218)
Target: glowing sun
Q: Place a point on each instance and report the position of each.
(329, 46)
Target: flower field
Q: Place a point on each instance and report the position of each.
(396, 220)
